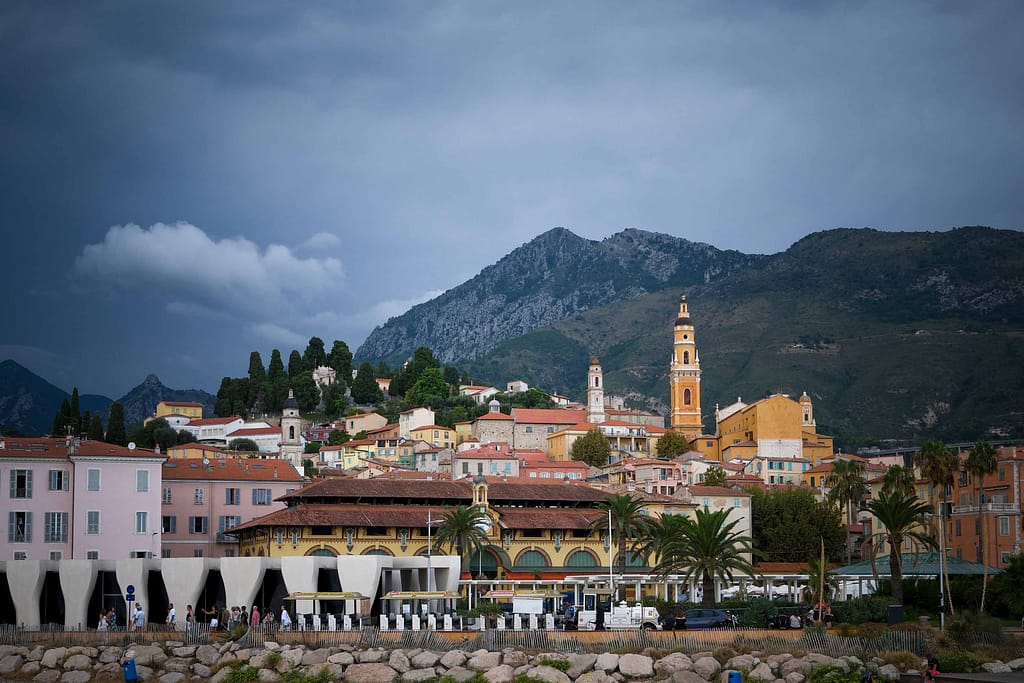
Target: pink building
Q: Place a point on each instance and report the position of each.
(204, 498)
(75, 499)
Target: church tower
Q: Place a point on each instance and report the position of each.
(291, 431)
(595, 392)
(684, 376)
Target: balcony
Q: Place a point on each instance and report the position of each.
(226, 537)
(993, 508)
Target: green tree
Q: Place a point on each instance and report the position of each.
(430, 387)
(672, 444)
(334, 399)
(340, 358)
(982, 461)
(462, 530)
(307, 393)
(364, 386)
(898, 479)
(62, 419)
(76, 413)
(451, 375)
(257, 383)
(629, 523)
(277, 383)
(295, 365)
(715, 476)
(338, 437)
(652, 543)
(243, 444)
(903, 519)
(232, 397)
(847, 487)
(311, 447)
(96, 428)
(708, 547)
(115, 426)
(155, 433)
(818, 575)
(787, 523)
(1006, 592)
(938, 464)
(591, 448)
(314, 356)
(422, 359)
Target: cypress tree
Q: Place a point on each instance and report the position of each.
(340, 359)
(295, 367)
(257, 380)
(115, 426)
(75, 413)
(276, 389)
(96, 428)
(314, 356)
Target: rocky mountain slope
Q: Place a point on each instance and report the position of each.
(140, 402)
(895, 335)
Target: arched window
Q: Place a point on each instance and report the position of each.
(687, 397)
(581, 558)
(597, 381)
(530, 559)
(322, 552)
(377, 551)
(686, 357)
(291, 433)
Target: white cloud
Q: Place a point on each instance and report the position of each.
(379, 313)
(233, 275)
(278, 336)
(321, 240)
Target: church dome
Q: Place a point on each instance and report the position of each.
(290, 402)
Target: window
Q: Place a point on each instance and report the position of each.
(198, 525)
(55, 527)
(56, 555)
(59, 480)
(19, 527)
(687, 397)
(232, 496)
(1004, 557)
(92, 554)
(736, 502)
(226, 522)
(139, 554)
(1004, 526)
(198, 552)
(229, 552)
(465, 468)
(142, 481)
(141, 522)
(199, 496)
(261, 497)
(21, 483)
(529, 430)
(957, 525)
(1002, 474)
(92, 522)
(20, 555)
(169, 524)
(167, 495)
(93, 480)
(165, 552)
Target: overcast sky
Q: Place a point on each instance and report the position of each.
(184, 182)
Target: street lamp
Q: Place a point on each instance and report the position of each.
(942, 571)
(430, 523)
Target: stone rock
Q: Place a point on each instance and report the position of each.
(775, 661)
(77, 663)
(996, 667)
(500, 674)
(686, 676)
(706, 667)
(47, 676)
(484, 661)
(371, 656)
(271, 645)
(818, 660)
(419, 675)
(671, 663)
(795, 665)
(8, 650)
(597, 677)
(227, 659)
(607, 661)
(11, 663)
(76, 677)
(549, 674)
(853, 661)
(110, 655)
(207, 654)
(292, 658)
(889, 672)
(636, 666)
(399, 661)
(185, 651)
(202, 671)
(424, 660)
(149, 655)
(52, 658)
(341, 658)
(452, 659)
(318, 656)
(269, 676)
(514, 658)
(143, 672)
(30, 669)
(220, 675)
(580, 664)
(1015, 664)
(459, 674)
(107, 672)
(177, 665)
(794, 677)
(370, 672)
(172, 677)
(762, 671)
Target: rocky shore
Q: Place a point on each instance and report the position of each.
(176, 662)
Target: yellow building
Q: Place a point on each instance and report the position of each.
(625, 439)
(463, 431)
(165, 409)
(684, 376)
(436, 435)
(774, 427)
(197, 450)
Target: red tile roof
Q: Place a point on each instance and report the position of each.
(495, 416)
(233, 469)
(213, 421)
(254, 431)
(184, 404)
(548, 416)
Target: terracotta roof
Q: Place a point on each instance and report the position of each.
(437, 427)
(716, 491)
(495, 416)
(213, 421)
(745, 444)
(48, 447)
(547, 416)
(547, 518)
(386, 428)
(196, 446)
(250, 469)
(254, 431)
(184, 404)
(823, 467)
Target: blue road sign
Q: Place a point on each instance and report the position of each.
(130, 597)
(130, 589)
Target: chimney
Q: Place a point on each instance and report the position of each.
(156, 449)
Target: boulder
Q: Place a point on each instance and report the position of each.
(8, 650)
(220, 675)
(686, 676)
(143, 672)
(341, 658)
(11, 663)
(818, 660)
(77, 663)
(419, 675)
(889, 672)
(370, 672)
(52, 658)
(149, 655)
(399, 661)
(185, 651)
(794, 677)
(177, 665)
(371, 656)
(292, 658)
(452, 659)
(548, 674)
(269, 676)
(795, 665)
(47, 676)
(596, 677)
(580, 664)
(76, 677)
(607, 661)
(202, 671)
(424, 660)
(172, 677)
(763, 672)
(996, 667)
(514, 658)
(459, 674)
(484, 661)
(706, 667)
(318, 656)
(676, 661)
(29, 669)
(500, 674)
(207, 654)
(1015, 664)
(636, 666)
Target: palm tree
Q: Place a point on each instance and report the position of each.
(815, 580)
(938, 464)
(903, 517)
(660, 532)
(982, 460)
(629, 521)
(898, 479)
(707, 546)
(463, 530)
(847, 487)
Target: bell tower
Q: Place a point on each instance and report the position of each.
(684, 376)
(595, 392)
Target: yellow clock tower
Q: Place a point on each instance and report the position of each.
(684, 376)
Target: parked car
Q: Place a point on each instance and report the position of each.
(706, 618)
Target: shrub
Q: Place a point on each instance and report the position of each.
(833, 674)
(242, 674)
(723, 654)
(271, 660)
(901, 659)
(862, 610)
(560, 664)
(971, 627)
(958, 661)
(297, 676)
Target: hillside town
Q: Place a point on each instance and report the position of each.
(538, 504)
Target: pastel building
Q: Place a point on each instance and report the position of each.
(203, 499)
(79, 499)
(176, 412)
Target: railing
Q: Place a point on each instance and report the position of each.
(57, 635)
(1003, 508)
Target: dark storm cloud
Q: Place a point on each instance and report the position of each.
(431, 138)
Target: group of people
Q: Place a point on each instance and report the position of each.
(223, 618)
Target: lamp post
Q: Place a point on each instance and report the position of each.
(942, 571)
